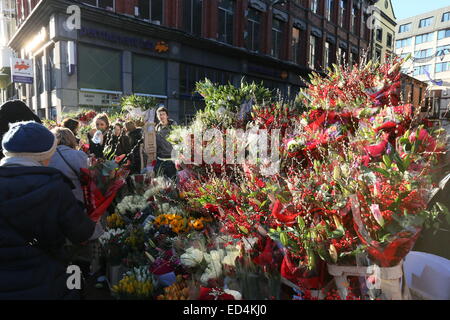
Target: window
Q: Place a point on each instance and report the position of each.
(253, 30)
(405, 28)
(446, 16)
(443, 66)
(421, 70)
(341, 55)
(329, 9)
(99, 68)
(379, 34)
(353, 19)
(192, 16)
(327, 55)
(423, 54)
(403, 43)
(191, 74)
(151, 10)
(226, 13)
(149, 75)
(442, 50)
(342, 5)
(51, 68)
(105, 4)
(425, 22)
(378, 55)
(295, 44)
(423, 38)
(354, 58)
(39, 76)
(389, 40)
(312, 51)
(314, 5)
(442, 34)
(277, 37)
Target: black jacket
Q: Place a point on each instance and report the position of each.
(37, 203)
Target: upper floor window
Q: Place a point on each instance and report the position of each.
(226, 23)
(151, 10)
(192, 16)
(379, 34)
(314, 5)
(342, 6)
(252, 34)
(446, 16)
(442, 50)
(443, 66)
(295, 44)
(442, 34)
(427, 37)
(425, 22)
(389, 40)
(404, 28)
(329, 9)
(423, 54)
(277, 37)
(353, 19)
(105, 4)
(403, 43)
(422, 70)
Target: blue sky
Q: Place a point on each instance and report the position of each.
(408, 8)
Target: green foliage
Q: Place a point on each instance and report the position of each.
(230, 97)
(135, 101)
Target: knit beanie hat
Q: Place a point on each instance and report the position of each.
(29, 140)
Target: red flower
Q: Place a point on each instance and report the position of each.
(283, 218)
(378, 149)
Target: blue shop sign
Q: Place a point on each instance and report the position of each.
(159, 46)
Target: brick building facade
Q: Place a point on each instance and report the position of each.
(275, 42)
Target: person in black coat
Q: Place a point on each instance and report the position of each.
(38, 212)
(135, 141)
(14, 111)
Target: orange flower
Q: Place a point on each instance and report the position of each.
(198, 224)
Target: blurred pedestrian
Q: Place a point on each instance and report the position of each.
(136, 143)
(73, 125)
(164, 164)
(68, 160)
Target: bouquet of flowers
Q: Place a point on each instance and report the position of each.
(100, 184)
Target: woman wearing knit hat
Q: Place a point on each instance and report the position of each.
(37, 213)
(14, 111)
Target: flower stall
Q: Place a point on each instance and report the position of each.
(336, 221)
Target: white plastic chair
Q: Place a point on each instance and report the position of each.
(427, 275)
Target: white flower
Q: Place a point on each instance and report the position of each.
(236, 294)
(230, 258)
(192, 257)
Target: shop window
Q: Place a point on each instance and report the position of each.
(99, 68)
(149, 75)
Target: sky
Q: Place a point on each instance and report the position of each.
(409, 8)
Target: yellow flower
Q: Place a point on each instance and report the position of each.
(198, 224)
